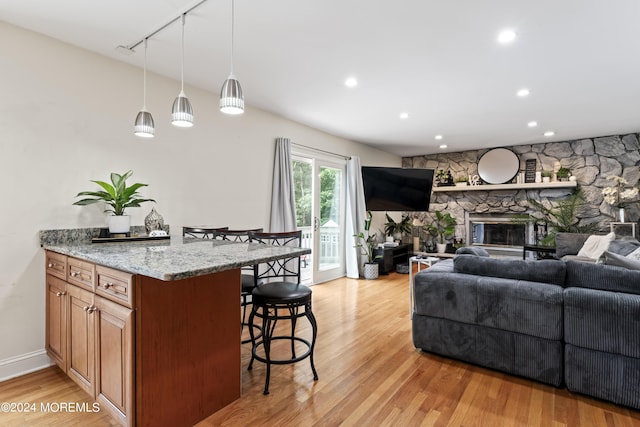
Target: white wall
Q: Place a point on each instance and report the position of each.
(66, 116)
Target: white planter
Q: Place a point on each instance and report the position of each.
(546, 179)
(442, 247)
(119, 224)
(370, 271)
(461, 184)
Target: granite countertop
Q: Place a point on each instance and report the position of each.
(177, 258)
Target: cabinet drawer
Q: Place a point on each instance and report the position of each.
(81, 273)
(56, 264)
(115, 285)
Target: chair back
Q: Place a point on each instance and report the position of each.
(201, 232)
(234, 235)
(283, 269)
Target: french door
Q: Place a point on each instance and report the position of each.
(319, 185)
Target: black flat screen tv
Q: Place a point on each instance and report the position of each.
(397, 189)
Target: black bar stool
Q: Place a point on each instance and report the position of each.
(280, 297)
(200, 232)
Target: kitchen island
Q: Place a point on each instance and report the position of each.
(151, 329)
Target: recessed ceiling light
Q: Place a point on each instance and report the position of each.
(351, 82)
(549, 133)
(443, 146)
(523, 92)
(506, 36)
(532, 124)
(438, 137)
(404, 115)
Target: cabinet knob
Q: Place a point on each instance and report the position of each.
(92, 309)
(75, 274)
(51, 264)
(107, 285)
(60, 294)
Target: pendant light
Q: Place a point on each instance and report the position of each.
(231, 98)
(144, 126)
(181, 112)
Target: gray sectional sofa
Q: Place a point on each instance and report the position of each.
(557, 322)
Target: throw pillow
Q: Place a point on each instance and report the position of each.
(596, 245)
(623, 246)
(610, 258)
(472, 250)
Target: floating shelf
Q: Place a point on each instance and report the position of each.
(492, 187)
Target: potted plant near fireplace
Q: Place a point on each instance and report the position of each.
(118, 197)
(367, 244)
(443, 227)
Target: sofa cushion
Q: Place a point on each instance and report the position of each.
(610, 258)
(569, 243)
(544, 271)
(624, 246)
(472, 250)
(594, 246)
(602, 276)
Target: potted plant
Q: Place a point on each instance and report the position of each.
(397, 229)
(442, 227)
(563, 174)
(461, 181)
(368, 244)
(442, 177)
(118, 197)
(546, 175)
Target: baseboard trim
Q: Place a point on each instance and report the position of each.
(23, 364)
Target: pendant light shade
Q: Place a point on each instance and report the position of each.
(144, 126)
(231, 97)
(181, 112)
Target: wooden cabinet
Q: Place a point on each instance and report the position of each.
(90, 330)
(81, 338)
(56, 332)
(114, 358)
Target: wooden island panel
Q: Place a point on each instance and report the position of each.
(187, 347)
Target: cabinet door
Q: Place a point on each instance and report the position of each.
(114, 359)
(81, 338)
(56, 332)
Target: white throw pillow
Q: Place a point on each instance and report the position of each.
(594, 246)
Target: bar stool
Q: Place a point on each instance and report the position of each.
(246, 277)
(200, 232)
(280, 297)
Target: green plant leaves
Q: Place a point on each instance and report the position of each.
(116, 195)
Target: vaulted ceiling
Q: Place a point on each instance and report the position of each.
(437, 61)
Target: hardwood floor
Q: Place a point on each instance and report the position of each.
(369, 375)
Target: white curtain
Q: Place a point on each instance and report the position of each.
(283, 206)
(355, 216)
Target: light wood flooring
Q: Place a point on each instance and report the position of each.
(369, 375)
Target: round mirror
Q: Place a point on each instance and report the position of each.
(498, 166)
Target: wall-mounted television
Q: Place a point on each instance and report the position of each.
(397, 189)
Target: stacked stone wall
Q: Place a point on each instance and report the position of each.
(591, 160)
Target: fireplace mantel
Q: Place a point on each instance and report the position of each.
(492, 187)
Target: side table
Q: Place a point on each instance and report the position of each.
(428, 261)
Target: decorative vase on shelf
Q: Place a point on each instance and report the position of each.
(153, 221)
(621, 214)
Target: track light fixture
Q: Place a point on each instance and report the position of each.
(144, 126)
(181, 112)
(231, 97)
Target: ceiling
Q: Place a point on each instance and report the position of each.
(439, 61)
